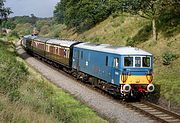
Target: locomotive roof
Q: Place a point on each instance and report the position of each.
(30, 36)
(65, 43)
(112, 49)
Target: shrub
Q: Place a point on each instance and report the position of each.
(130, 42)
(14, 34)
(168, 57)
(44, 30)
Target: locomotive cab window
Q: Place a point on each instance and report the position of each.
(106, 60)
(137, 61)
(146, 62)
(116, 63)
(81, 54)
(128, 61)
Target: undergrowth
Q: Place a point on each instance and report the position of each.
(27, 97)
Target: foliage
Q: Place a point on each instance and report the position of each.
(82, 14)
(12, 73)
(28, 97)
(24, 19)
(45, 29)
(4, 11)
(24, 29)
(169, 22)
(8, 24)
(168, 57)
(85, 14)
(142, 36)
(149, 9)
(14, 34)
(56, 31)
(40, 23)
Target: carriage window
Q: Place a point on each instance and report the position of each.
(65, 52)
(146, 61)
(81, 54)
(57, 50)
(51, 49)
(106, 60)
(128, 61)
(116, 63)
(76, 54)
(137, 61)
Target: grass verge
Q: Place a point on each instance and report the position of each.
(28, 97)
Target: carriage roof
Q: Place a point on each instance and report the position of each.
(60, 42)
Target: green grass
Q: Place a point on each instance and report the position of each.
(28, 97)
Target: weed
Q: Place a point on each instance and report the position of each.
(14, 34)
(168, 57)
(130, 42)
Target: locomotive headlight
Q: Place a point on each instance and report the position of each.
(150, 88)
(149, 77)
(126, 88)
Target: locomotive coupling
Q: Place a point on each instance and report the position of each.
(126, 88)
(150, 88)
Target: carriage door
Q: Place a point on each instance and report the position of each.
(77, 60)
(76, 56)
(115, 71)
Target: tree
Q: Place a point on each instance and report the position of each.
(83, 14)
(9, 24)
(4, 11)
(59, 12)
(149, 9)
(33, 19)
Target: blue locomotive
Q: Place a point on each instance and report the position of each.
(126, 71)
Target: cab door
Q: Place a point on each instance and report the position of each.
(115, 72)
(76, 59)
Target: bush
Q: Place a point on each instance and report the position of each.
(130, 42)
(14, 34)
(168, 57)
(24, 29)
(45, 30)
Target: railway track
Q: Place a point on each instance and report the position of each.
(156, 112)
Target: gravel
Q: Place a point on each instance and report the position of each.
(109, 109)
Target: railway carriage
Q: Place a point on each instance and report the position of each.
(56, 50)
(38, 46)
(60, 51)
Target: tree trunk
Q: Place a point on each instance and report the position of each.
(154, 29)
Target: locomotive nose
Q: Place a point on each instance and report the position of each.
(150, 88)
